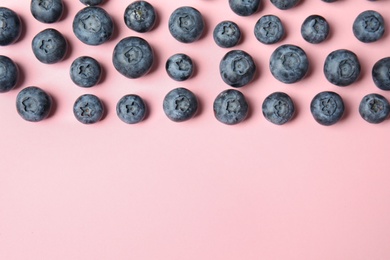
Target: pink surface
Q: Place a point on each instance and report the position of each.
(198, 189)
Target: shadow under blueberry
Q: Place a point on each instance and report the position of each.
(115, 32)
(54, 105)
(65, 12)
(23, 30)
(21, 77)
(105, 110)
(156, 60)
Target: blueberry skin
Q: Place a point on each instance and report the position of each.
(140, 16)
(381, 73)
(244, 7)
(278, 108)
(186, 24)
(230, 107)
(10, 26)
(47, 11)
(227, 34)
(289, 63)
(315, 29)
(88, 109)
(327, 108)
(369, 26)
(374, 108)
(237, 68)
(9, 74)
(284, 4)
(180, 105)
(342, 67)
(179, 67)
(329, 1)
(269, 29)
(131, 109)
(93, 26)
(91, 2)
(33, 104)
(85, 72)
(49, 46)
(133, 57)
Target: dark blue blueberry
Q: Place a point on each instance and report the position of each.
(49, 46)
(374, 108)
(180, 104)
(230, 107)
(227, 34)
(133, 57)
(237, 68)
(88, 109)
(278, 108)
(10, 26)
(342, 67)
(329, 1)
(269, 29)
(186, 24)
(315, 29)
(244, 7)
(179, 67)
(369, 26)
(9, 74)
(284, 4)
(289, 63)
(93, 25)
(91, 2)
(140, 16)
(381, 73)
(85, 72)
(327, 108)
(131, 109)
(33, 104)
(47, 11)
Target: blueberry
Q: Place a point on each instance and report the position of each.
(237, 68)
(91, 2)
(315, 29)
(284, 4)
(278, 108)
(85, 72)
(33, 104)
(47, 11)
(140, 16)
(342, 67)
(180, 104)
(179, 67)
(93, 25)
(269, 29)
(227, 34)
(374, 108)
(88, 109)
(9, 74)
(329, 1)
(381, 73)
(49, 46)
(369, 26)
(133, 57)
(289, 63)
(244, 7)
(10, 26)
(131, 109)
(186, 24)
(327, 108)
(230, 107)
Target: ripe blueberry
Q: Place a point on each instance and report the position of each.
(369, 26)
(91, 2)
(10, 26)
(381, 73)
(289, 63)
(230, 107)
(93, 25)
(133, 57)
(179, 67)
(226, 34)
(269, 29)
(85, 72)
(131, 109)
(186, 24)
(237, 68)
(327, 108)
(140, 16)
(315, 29)
(9, 74)
(244, 7)
(88, 109)
(180, 104)
(49, 46)
(278, 108)
(47, 11)
(33, 104)
(342, 67)
(374, 108)
(284, 4)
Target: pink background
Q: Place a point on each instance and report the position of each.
(198, 189)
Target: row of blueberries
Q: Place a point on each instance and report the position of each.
(180, 104)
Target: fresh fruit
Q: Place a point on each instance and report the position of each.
(88, 109)
(10, 26)
(315, 29)
(91, 2)
(179, 67)
(369, 26)
(33, 104)
(186, 24)
(49, 46)
(269, 29)
(180, 104)
(327, 108)
(47, 11)
(237, 68)
(374, 108)
(284, 4)
(230, 107)
(140, 16)
(244, 7)
(85, 72)
(278, 108)
(227, 34)
(131, 109)
(381, 73)
(9, 74)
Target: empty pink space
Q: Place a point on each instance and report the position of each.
(197, 189)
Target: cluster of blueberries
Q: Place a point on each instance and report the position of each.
(133, 58)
